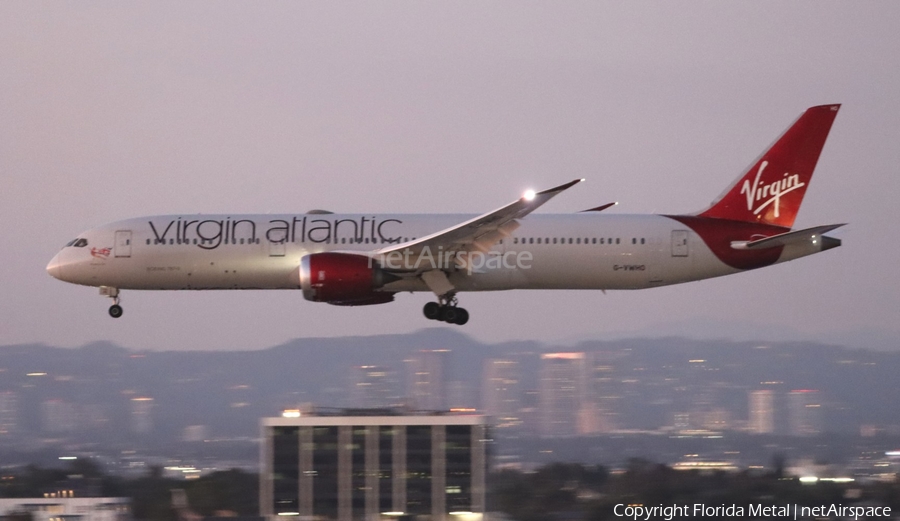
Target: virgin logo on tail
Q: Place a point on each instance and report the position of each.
(769, 193)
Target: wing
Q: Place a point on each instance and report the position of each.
(480, 233)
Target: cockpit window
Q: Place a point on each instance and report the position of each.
(70, 243)
(78, 243)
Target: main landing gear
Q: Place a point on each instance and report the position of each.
(115, 310)
(446, 311)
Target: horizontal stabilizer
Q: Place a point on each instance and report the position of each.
(783, 239)
(601, 207)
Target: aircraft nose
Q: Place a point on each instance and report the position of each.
(54, 268)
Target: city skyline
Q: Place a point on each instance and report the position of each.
(680, 402)
(605, 387)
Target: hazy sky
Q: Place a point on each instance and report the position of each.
(111, 110)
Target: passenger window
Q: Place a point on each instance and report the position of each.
(642, 241)
(617, 240)
(594, 240)
(554, 240)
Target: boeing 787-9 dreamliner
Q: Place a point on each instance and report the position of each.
(363, 259)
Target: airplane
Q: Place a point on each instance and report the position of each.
(366, 259)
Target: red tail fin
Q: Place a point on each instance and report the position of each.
(771, 191)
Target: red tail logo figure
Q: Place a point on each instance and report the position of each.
(771, 190)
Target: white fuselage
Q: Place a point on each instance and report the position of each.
(579, 251)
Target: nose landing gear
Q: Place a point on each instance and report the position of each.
(446, 311)
(115, 310)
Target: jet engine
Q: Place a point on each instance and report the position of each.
(343, 279)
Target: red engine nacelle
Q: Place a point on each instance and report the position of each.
(343, 279)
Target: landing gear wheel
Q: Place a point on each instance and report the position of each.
(446, 311)
(115, 310)
(449, 314)
(432, 310)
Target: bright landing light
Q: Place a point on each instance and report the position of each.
(529, 195)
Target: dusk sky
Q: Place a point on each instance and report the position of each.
(111, 110)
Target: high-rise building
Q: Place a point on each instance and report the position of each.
(602, 393)
(141, 414)
(460, 396)
(426, 389)
(9, 413)
(374, 386)
(563, 408)
(681, 421)
(58, 416)
(804, 412)
(385, 466)
(500, 393)
(715, 419)
(762, 412)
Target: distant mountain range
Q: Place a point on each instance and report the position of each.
(104, 392)
(704, 328)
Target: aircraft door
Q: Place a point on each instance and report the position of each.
(123, 243)
(680, 243)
